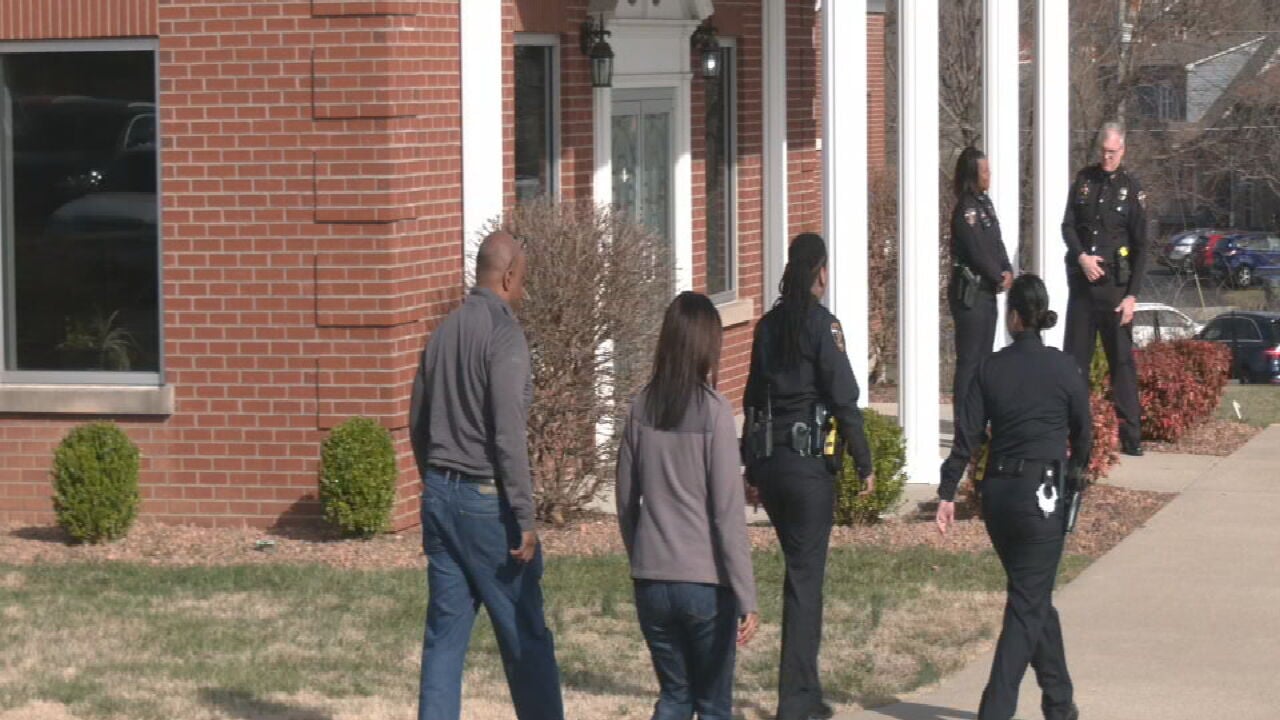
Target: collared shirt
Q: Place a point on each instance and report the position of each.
(975, 238)
(1106, 212)
(471, 397)
(1037, 402)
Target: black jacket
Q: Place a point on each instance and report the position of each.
(1107, 212)
(823, 375)
(975, 239)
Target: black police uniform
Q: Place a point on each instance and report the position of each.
(976, 245)
(798, 491)
(1037, 402)
(1107, 216)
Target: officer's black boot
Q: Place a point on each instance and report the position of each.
(822, 712)
(1131, 447)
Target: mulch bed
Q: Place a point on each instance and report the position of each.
(1212, 437)
(1110, 514)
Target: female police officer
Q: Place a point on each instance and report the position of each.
(1037, 402)
(981, 267)
(799, 375)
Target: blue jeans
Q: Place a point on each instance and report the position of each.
(692, 634)
(468, 530)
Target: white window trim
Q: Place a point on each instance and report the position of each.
(88, 392)
(729, 297)
(551, 41)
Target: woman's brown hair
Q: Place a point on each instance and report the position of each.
(686, 360)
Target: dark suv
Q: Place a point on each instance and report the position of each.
(1254, 341)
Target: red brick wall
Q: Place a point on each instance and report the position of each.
(804, 118)
(65, 19)
(876, 108)
(310, 235)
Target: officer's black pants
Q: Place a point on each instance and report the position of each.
(1091, 310)
(799, 495)
(975, 338)
(1029, 546)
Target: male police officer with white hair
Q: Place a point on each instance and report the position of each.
(1105, 228)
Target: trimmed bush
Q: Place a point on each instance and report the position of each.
(1106, 434)
(1180, 383)
(95, 483)
(889, 458)
(358, 477)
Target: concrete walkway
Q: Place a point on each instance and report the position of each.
(1181, 620)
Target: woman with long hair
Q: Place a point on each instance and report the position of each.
(1036, 401)
(799, 375)
(681, 509)
(981, 268)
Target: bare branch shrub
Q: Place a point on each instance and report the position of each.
(596, 288)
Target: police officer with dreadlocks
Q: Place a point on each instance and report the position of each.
(800, 380)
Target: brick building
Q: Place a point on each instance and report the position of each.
(229, 225)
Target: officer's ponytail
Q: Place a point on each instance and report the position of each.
(1030, 300)
(805, 259)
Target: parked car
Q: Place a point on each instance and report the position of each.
(1202, 257)
(1254, 341)
(1153, 322)
(1176, 252)
(1239, 258)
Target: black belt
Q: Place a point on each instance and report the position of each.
(1015, 466)
(459, 476)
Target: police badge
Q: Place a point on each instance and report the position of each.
(1124, 193)
(1084, 192)
(971, 216)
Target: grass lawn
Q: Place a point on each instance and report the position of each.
(291, 642)
(1259, 404)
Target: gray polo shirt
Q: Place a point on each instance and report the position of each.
(681, 505)
(471, 397)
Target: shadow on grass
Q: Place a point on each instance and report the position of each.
(241, 704)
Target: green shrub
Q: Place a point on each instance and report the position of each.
(358, 477)
(889, 457)
(1099, 371)
(95, 483)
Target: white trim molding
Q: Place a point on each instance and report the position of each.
(774, 106)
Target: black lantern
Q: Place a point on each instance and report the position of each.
(704, 41)
(596, 48)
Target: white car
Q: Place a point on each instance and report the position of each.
(1155, 321)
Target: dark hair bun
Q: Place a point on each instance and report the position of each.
(1048, 319)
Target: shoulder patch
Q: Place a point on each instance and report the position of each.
(971, 216)
(837, 334)
(1142, 199)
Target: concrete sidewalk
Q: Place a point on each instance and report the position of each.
(1181, 620)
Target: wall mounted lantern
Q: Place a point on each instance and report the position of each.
(596, 48)
(708, 47)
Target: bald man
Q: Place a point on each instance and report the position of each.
(468, 422)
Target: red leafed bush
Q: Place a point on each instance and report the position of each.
(1179, 384)
(1106, 435)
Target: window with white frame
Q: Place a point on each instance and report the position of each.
(79, 212)
(536, 99)
(721, 175)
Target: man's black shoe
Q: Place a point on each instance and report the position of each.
(1134, 449)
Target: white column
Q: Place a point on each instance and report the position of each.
(844, 172)
(602, 146)
(774, 251)
(1000, 126)
(918, 233)
(482, 168)
(1053, 149)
